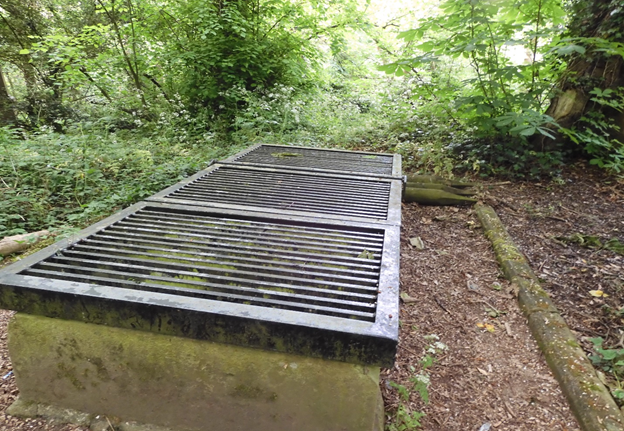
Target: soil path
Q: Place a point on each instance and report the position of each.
(492, 370)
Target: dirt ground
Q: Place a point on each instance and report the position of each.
(492, 371)
(488, 369)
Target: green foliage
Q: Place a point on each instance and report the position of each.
(405, 419)
(500, 96)
(611, 361)
(50, 179)
(233, 44)
(488, 67)
(593, 131)
(236, 45)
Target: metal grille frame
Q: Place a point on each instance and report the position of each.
(392, 204)
(257, 156)
(182, 262)
(171, 312)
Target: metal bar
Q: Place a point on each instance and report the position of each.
(251, 174)
(264, 280)
(203, 236)
(278, 265)
(273, 229)
(302, 258)
(216, 268)
(351, 198)
(292, 147)
(291, 240)
(220, 292)
(352, 231)
(275, 212)
(311, 194)
(285, 203)
(308, 169)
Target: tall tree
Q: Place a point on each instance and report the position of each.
(590, 103)
(240, 45)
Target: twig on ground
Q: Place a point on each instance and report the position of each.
(408, 350)
(437, 301)
(558, 219)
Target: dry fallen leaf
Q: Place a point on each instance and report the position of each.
(472, 285)
(407, 299)
(487, 326)
(417, 242)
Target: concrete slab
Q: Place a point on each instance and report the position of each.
(187, 384)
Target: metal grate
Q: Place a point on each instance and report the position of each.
(335, 195)
(299, 259)
(320, 159)
(332, 272)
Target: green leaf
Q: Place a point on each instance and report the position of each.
(570, 49)
(528, 132)
(410, 35)
(608, 354)
(545, 132)
(427, 46)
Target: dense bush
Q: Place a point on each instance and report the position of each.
(50, 180)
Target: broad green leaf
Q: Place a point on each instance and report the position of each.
(528, 131)
(570, 49)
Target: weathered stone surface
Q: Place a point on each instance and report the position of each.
(29, 409)
(23, 409)
(187, 384)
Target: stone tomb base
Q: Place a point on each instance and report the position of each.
(184, 384)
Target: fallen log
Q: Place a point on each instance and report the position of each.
(17, 243)
(589, 399)
(438, 180)
(442, 187)
(435, 197)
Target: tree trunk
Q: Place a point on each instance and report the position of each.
(601, 19)
(7, 115)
